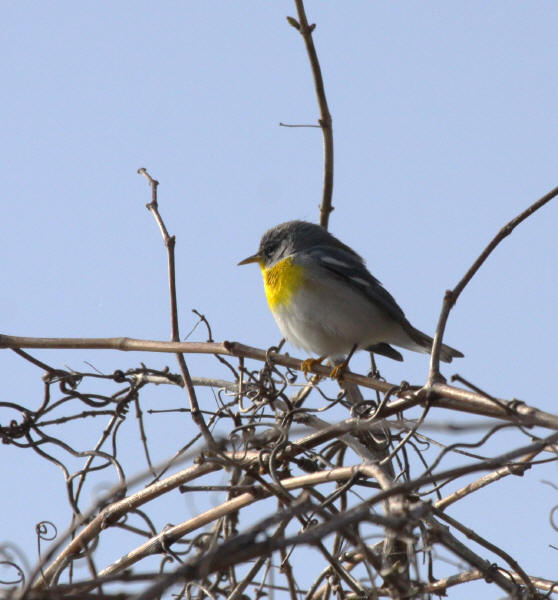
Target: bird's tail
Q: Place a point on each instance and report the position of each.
(423, 343)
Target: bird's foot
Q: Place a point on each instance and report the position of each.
(339, 370)
(309, 364)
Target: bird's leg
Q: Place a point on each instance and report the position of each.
(308, 364)
(338, 371)
(374, 371)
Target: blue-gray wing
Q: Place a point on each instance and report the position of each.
(350, 267)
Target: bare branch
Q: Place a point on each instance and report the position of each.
(197, 415)
(515, 469)
(489, 546)
(451, 296)
(325, 122)
(442, 395)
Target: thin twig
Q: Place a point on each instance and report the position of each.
(451, 296)
(197, 415)
(325, 123)
(441, 534)
(472, 535)
(513, 469)
(441, 395)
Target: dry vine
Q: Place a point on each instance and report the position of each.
(300, 494)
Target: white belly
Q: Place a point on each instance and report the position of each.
(322, 321)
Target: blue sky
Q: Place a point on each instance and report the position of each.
(445, 127)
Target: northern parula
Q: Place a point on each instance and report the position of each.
(326, 302)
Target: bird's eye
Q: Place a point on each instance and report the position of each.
(269, 250)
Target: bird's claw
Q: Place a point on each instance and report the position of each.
(338, 371)
(308, 365)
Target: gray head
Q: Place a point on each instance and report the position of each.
(289, 238)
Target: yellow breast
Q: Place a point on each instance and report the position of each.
(281, 281)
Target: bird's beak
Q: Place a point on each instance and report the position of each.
(255, 258)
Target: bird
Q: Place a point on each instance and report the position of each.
(326, 302)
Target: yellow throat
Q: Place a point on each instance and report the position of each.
(281, 281)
